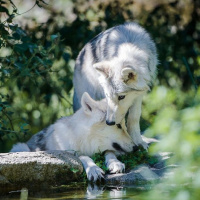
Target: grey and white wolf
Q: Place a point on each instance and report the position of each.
(119, 65)
(86, 133)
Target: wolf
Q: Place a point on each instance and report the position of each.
(86, 133)
(119, 65)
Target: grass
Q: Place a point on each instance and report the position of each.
(131, 160)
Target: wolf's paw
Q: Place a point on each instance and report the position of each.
(95, 173)
(115, 166)
(143, 145)
(140, 142)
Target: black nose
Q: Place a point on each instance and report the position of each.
(110, 123)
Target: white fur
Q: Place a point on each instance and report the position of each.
(86, 133)
(113, 164)
(119, 61)
(20, 147)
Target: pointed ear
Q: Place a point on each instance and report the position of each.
(102, 68)
(128, 74)
(88, 104)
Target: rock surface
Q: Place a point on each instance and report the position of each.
(62, 167)
(49, 167)
(144, 174)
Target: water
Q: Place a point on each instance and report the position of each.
(76, 191)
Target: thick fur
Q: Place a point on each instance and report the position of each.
(86, 133)
(120, 62)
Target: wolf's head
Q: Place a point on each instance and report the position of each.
(102, 137)
(125, 77)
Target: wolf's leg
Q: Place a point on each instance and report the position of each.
(113, 164)
(133, 123)
(92, 170)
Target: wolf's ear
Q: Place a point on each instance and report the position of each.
(88, 104)
(128, 74)
(102, 68)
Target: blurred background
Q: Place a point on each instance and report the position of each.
(41, 39)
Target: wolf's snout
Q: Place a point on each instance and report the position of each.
(110, 123)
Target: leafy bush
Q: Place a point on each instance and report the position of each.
(177, 124)
(35, 77)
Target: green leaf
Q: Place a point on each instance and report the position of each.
(23, 125)
(53, 37)
(2, 2)
(16, 36)
(19, 65)
(66, 57)
(9, 20)
(3, 9)
(21, 32)
(20, 47)
(74, 170)
(32, 47)
(25, 72)
(13, 27)
(6, 72)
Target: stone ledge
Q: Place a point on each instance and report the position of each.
(42, 167)
(144, 174)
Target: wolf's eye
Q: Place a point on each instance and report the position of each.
(121, 97)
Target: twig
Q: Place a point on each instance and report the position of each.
(8, 119)
(189, 72)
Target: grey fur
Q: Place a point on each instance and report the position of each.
(101, 70)
(98, 49)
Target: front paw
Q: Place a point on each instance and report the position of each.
(140, 142)
(144, 145)
(115, 166)
(94, 173)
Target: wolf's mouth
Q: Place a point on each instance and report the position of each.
(118, 147)
(119, 126)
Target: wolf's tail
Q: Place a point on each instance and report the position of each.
(20, 147)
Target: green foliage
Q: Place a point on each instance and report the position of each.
(37, 61)
(98, 158)
(74, 170)
(177, 124)
(139, 157)
(34, 71)
(130, 160)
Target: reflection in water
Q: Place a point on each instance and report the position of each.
(97, 192)
(24, 194)
(75, 191)
(93, 191)
(117, 193)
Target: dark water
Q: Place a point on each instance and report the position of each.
(76, 191)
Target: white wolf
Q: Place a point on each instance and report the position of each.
(86, 133)
(119, 64)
